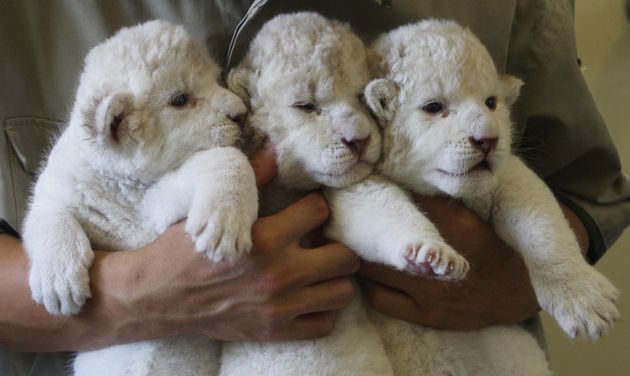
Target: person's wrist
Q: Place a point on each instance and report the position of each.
(144, 315)
(105, 311)
(115, 279)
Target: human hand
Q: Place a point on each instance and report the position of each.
(496, 290)
(277, 291)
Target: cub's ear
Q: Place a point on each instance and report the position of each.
(511, 87)
(381, 96)
(110, 118)
(242, 81)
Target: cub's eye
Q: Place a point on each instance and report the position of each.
(180, 100)
(491, 103)
(433, 107)
(307, 107)
(361, 98)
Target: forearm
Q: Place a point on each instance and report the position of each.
(166, 288)
(27, 326)
(578, 229)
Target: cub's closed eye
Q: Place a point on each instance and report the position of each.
(361, 98)
(433, 107)
(179, 100)
(491, 103)
(307, 107)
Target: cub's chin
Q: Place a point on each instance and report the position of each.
(472, 184)
(354, 174)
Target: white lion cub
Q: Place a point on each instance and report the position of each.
(149, 143)
(304, 76)
(445, 114)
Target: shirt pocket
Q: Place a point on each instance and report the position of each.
(28, 141)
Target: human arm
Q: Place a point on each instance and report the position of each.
(562, 135)
(167, 288)
(496, 290)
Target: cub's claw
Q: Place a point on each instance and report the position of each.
(436, 259)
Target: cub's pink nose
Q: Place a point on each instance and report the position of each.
(486, 144)
(358, 145)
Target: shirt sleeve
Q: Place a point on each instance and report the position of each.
(5, 228)
(562, 135)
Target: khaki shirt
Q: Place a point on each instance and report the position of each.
(43, 44)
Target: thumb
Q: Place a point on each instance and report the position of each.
(264, 163)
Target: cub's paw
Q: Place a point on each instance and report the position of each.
(583, 305)
(437, 258)
(62, 287)
(221, 233)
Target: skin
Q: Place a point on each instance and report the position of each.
(496, 291)
(166, 288)
(138, 294)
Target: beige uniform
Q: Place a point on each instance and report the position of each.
(43, 44)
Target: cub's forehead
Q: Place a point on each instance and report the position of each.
(138, 57)
(299, 37)
(312, 83)
(299, 43)
(435, 56)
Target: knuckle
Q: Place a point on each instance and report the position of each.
(272, 283)
(267, 331)
(329, 321)
(319, 207)
(271, 316)
(467, 216)
(266, 327)
(371, 296)
(354, 263)
(264, 240)
(326, 325)
(433, 317)
(348, 259)
(346, 290)
(465, 220)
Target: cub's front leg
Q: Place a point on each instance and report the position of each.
(527, 216)
(380, 222)
(216, 190)
(60, 257)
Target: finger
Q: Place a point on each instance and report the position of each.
(330, 261)
(331, 295)
(392, 302)
(263, 162)
(295, 221)
(390, 277)
(312, 325)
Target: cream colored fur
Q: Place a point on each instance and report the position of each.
(304, 76)
(445, 114)
(149, 143)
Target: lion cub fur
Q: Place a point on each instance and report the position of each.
(445, 114)
(149, 142)
(305, 96)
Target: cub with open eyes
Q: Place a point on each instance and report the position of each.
(444, 110)
(303, 77)
(150, 142)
